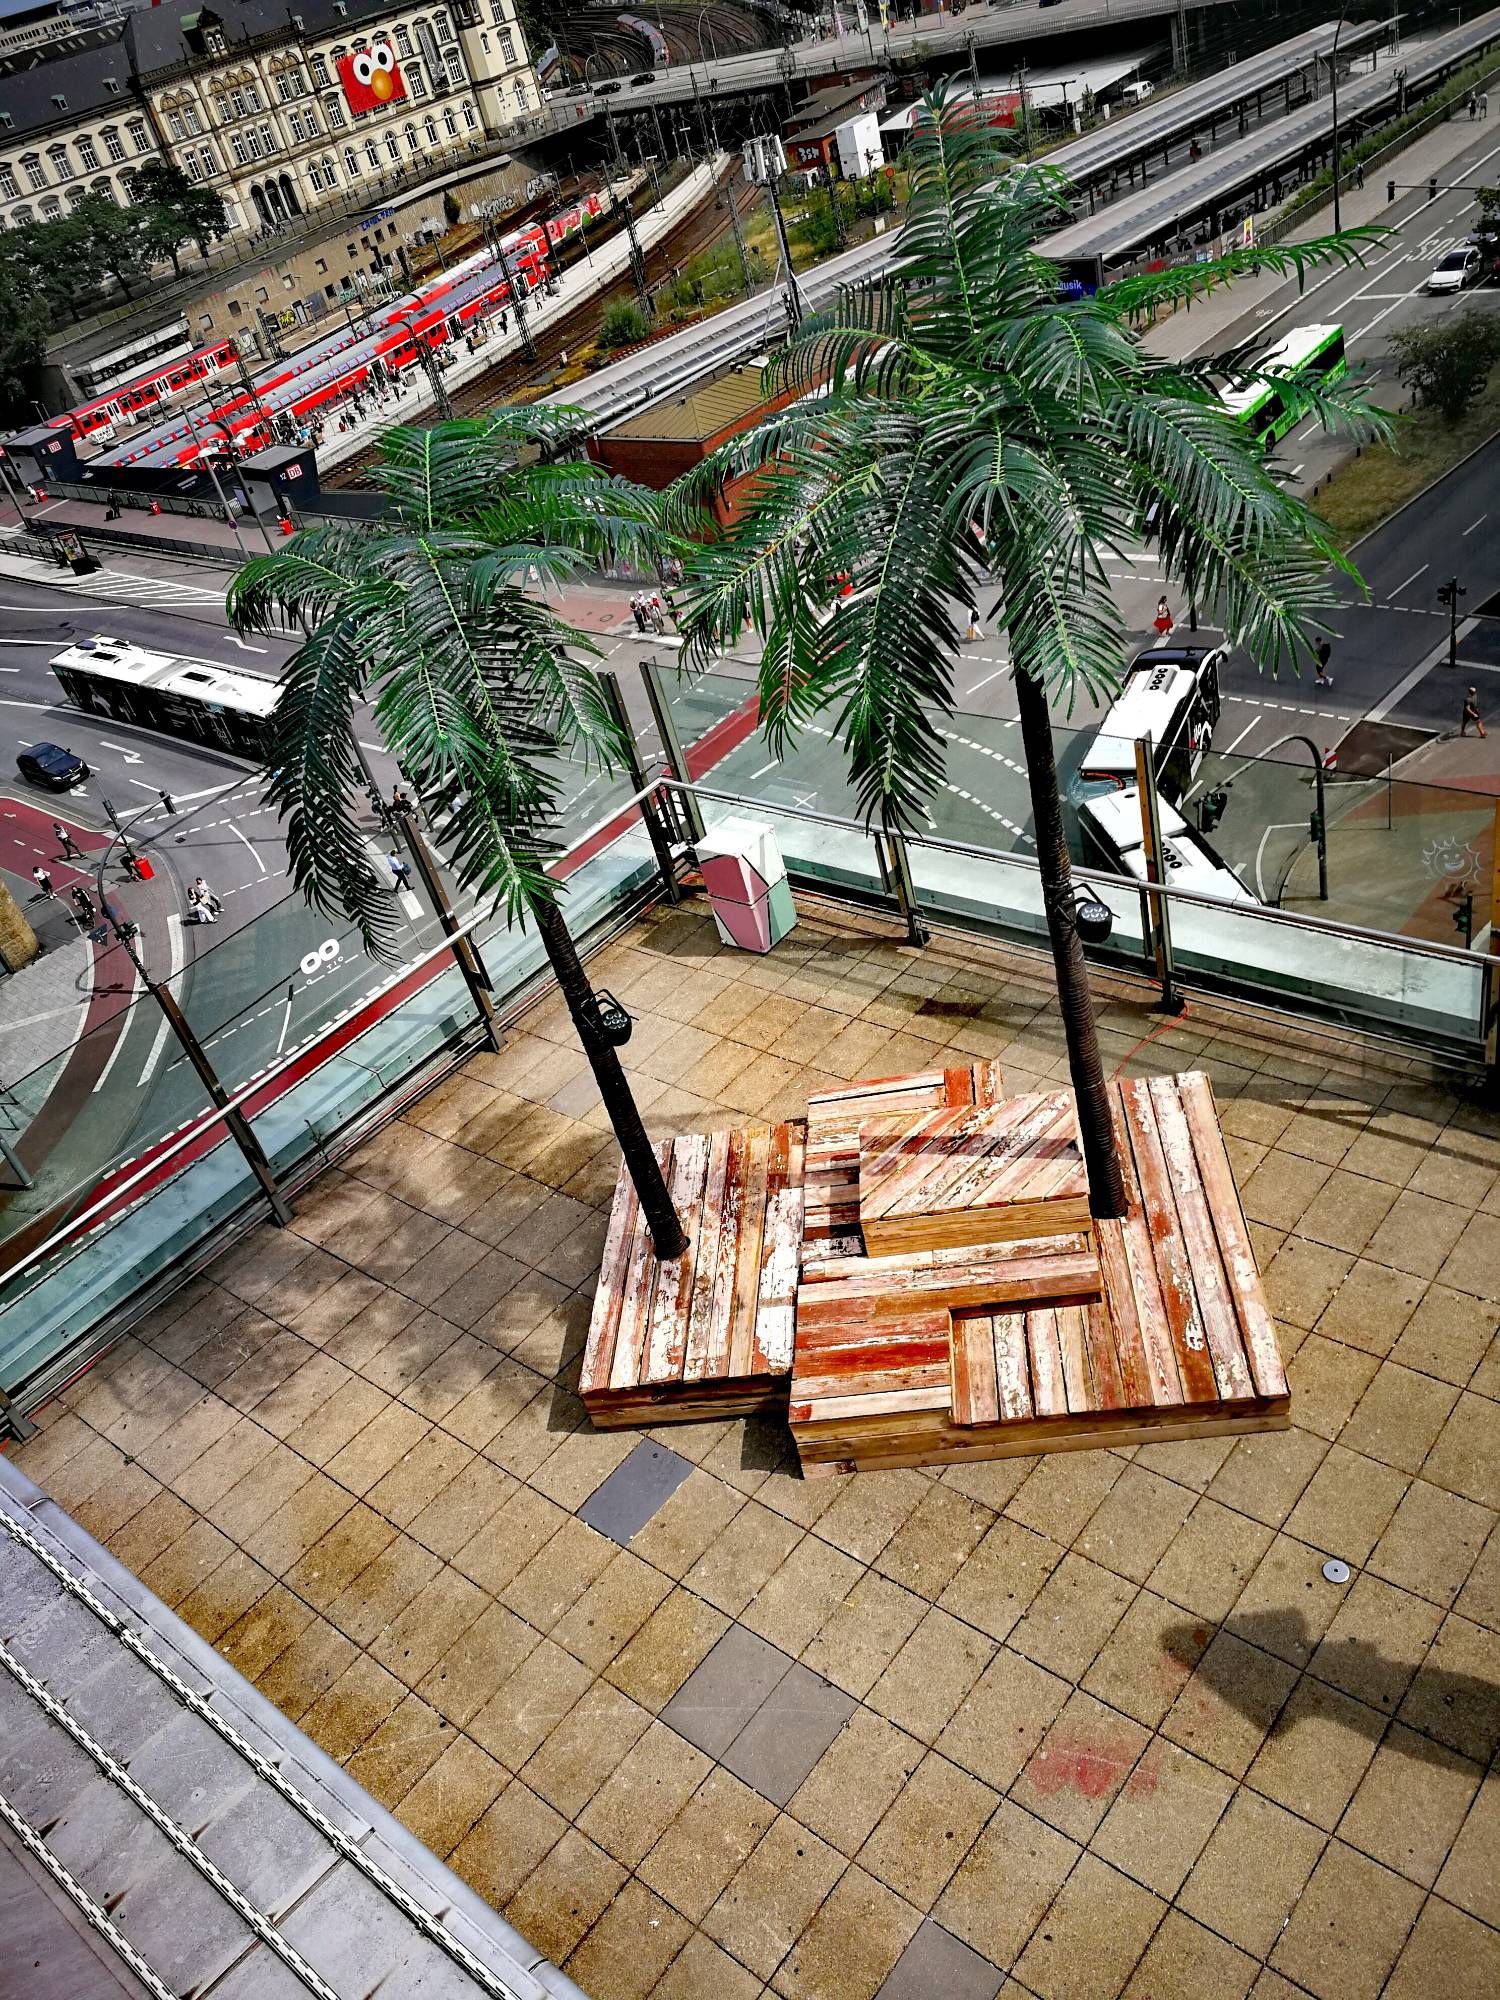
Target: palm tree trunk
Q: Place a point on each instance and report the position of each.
(1095, 1124)
(636, 1148)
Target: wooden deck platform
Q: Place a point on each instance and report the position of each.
(708, 1333)
(982, 1173)
(1176, 1341)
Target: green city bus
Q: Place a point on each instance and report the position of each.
(1311, 353)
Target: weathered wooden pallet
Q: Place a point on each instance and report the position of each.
(1178, 1342)
(834, 1119)
(981, 1173)
(709, 1333)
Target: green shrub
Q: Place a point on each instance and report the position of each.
(623, 325)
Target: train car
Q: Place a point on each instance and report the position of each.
(568, 221)
(144, 397)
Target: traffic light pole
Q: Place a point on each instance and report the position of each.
(1318, 825)
(1449, 594)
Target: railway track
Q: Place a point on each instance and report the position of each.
(515, 374)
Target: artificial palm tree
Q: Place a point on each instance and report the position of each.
(971, 433)
(476, 686)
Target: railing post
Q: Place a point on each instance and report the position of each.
(906, 895)
(666, 729)
(651, 812)
(1161, 926)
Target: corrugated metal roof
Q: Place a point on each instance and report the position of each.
(708, 408)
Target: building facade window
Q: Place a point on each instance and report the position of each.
(414, 79)
(10, 187)
(429, 126)
(207, 161)
(411, 138)
(88, 152)
(62, 166)
(403, 41)
(34, 171)
(320, 75)
(333, 111)
(455, 69)
(450, 123)
(507, 45)
(393, 151)
(52, 209)
(372, 154)
(175, 127)
(351, 164)
(140, 138)
(114, 145)
(22, 219)
(520, 95)
(194, 122)
(471, 116)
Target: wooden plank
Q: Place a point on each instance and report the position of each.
(1201, 1244)
(706, 1264)
(754, 1177)
(1150, 1307)
(1011, 1282)
(609, 1295)
(775, 1317)
(1122, 1429)
(1073, 1346)
(1193, 1365)
(1012, 1129)
(721, 1309)
(1049, 1391)
(1256, 1325)
(1123, 1315)
(1012, 1371)
(976, 1389)
(1107, 1390)
(989, 1081)
(635, 1308)
(666, 1344)
(958, 1085)
(972, 1229)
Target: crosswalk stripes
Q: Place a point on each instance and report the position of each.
(118, 586)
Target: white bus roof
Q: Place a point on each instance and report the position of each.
(1287, 354)
(1145, 706)
(1188, 867)
(1117, 815)
(169, 673)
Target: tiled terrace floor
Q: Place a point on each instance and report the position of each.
(1095, 1722)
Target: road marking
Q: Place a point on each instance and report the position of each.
(986, 681)
(248, 843)
(114, 1054)
(1251, 725)
(174, 933)
(130, 756)
(286, 1022)
(1280, 827)
(1468, 531)
(1400, 587)
(244, 646)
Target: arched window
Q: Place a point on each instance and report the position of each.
(429, 126)
(411, 137)
(351, 163)
(470, 116)
(103, 186)
(52, 209)
(23, 218)
(450, 123)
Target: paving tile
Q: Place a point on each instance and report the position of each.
(859, 1775)
(1432, 1543)
(1137, 1522)
(1063, 1492)
(1448, 1335)
(865, 1633)
(1376, 1643)
(1092, 1936)
(934, 1541)
(1327, 1380)
(1480, 1597)
(674, 1640)
(1005, 1884)
(930, 1676)
(634, 1491)
(1072, 1616)
(1471, 1873)
(793, 1606)
(1455, 1696)
(851, 1945)
(720, 1697)
(703, 1968)
(1074, 1777)
(1230, 1702)
(1349, 1927)
(1145, 1663)
(1411, 1804)
(928, 1830)
(706, 1844)
(1184, 1961)
(644, 1794)
(542, 1691)
(444, 1803)
(629, 1947)
(1348, 1505)
(774, 1896)
(1447, 1953)
(744, 1556)
(779, 1745)
(1248, 1878)
(936, 1962)
(868, 1512)
(1466, 1457)
(1319, 1752)
(564, 1894)
(1399, 1417)
(1161, 1821)
(1371, 1307)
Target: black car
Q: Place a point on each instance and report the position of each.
(55, 769)
(644, 77)
(607, 88)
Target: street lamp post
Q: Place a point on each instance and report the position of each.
(425, 356)
(1333, 84)
(212, 471)
(513, 291)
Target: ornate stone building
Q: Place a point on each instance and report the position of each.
(276, 107)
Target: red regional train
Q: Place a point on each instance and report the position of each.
(144, 397)
(243, 421)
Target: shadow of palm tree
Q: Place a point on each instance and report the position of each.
(1443, 1711)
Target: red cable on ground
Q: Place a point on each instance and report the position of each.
(1161, 1027)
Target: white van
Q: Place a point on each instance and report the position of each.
(1137, 91)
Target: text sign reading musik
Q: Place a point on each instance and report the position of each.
(371, 77)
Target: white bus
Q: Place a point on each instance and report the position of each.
(1114, 838)
(1171, 694)
(218, 707)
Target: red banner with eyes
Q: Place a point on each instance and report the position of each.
(371, 77)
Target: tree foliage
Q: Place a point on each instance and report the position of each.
(1448, 361)
(174, 210)
(476, 682)
(977, 439)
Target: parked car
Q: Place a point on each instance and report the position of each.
(51, 767)
(1457, 271)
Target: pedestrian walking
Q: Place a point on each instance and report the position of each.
(1359, 173)
(43, 880)
(1324, 653)
(1484, 104)
(974, 631)
(638, 612)
(656, 612)
(400, 870)
(1471, 714)
(64, 839)
(1163, 621)
(83, 903)
(1473, 107)
(206, 900)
